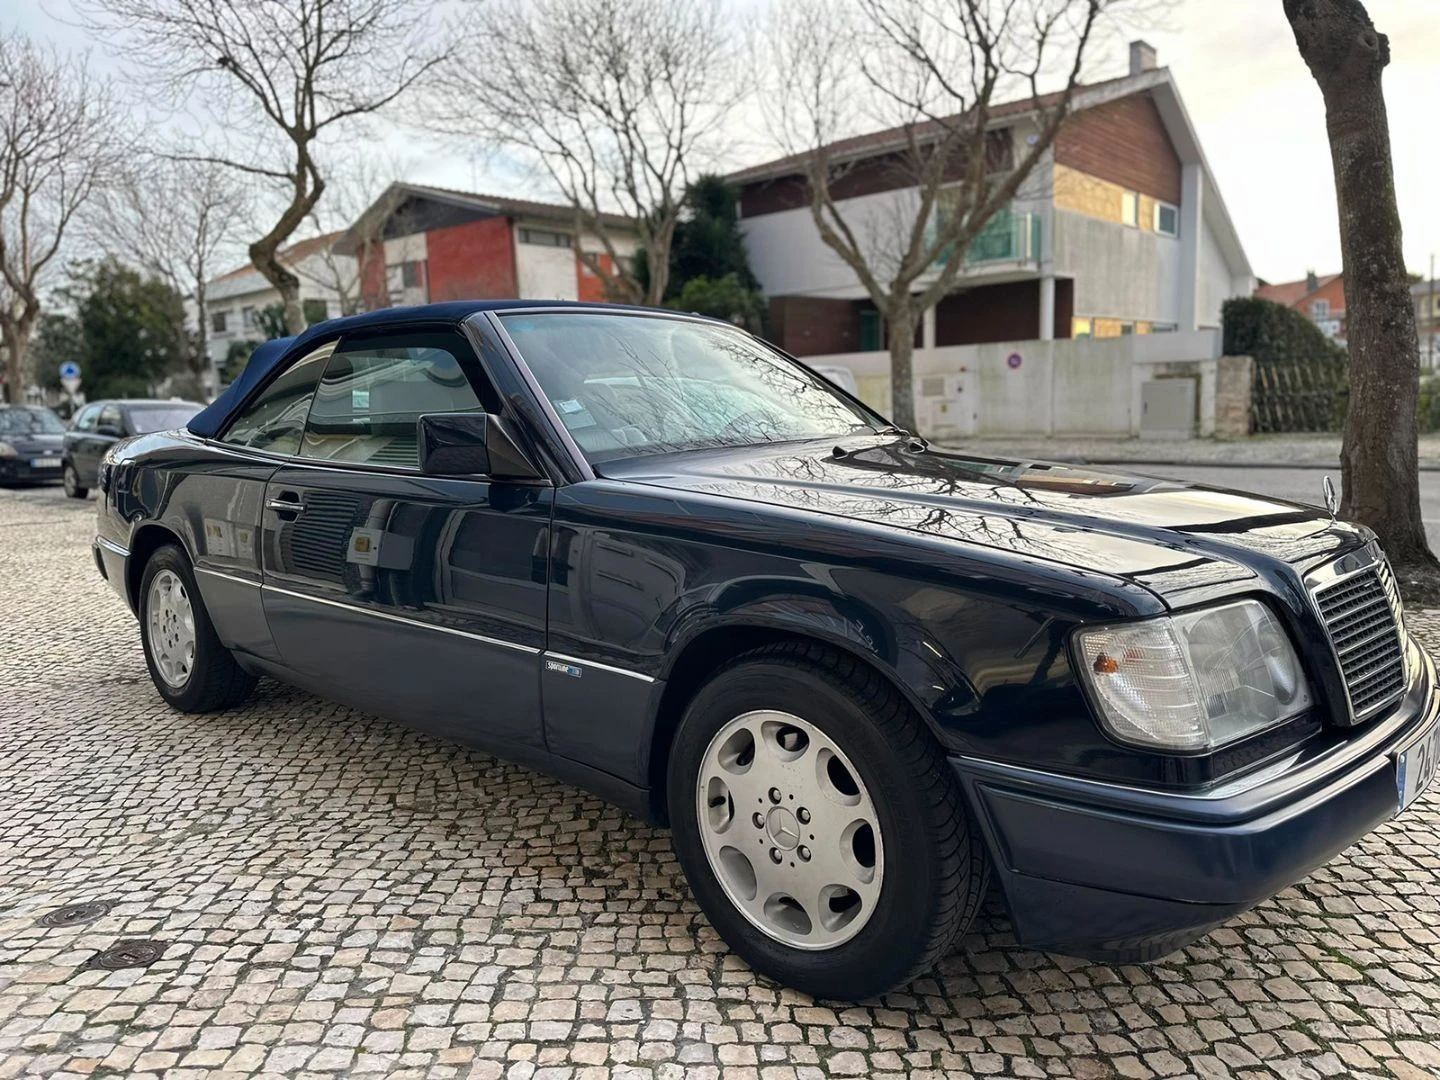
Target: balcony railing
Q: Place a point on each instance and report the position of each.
(1008, 237)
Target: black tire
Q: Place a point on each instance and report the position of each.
(72, 483)
(925, 826)
(215, 680)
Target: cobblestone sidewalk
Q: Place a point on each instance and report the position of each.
(336, 894)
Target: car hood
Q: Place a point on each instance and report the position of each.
(1173, 538)
(28, 444)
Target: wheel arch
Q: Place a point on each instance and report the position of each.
(707, 651)
(147, 539)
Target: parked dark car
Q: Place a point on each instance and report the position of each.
(857, 675)
(30, 443)
(99, 425)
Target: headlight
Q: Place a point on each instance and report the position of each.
(7, 451)
(1194, 681)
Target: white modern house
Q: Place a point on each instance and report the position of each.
(329, 286)
(1120, 232)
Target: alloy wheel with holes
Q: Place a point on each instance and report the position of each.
(790, 829)
(822, 830)
(170, 623)
(189, 666)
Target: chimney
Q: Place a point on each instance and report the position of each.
(1312, 281)
(1142, 57)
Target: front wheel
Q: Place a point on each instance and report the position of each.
(73, 487)
(192, 670)
(820, 827)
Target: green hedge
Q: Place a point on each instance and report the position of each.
(1301, 376)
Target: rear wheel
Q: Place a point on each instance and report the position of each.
(189, 666)
(820, 827)
(73, 487)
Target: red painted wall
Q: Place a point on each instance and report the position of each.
(373, 292)
(473, 261)
(590, 286)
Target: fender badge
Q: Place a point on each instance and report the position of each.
(564, 669)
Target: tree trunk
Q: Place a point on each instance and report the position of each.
(201, 362)
(900, 326)
(17, 348)
(263, 256)
(1379, 455)
(14, 369)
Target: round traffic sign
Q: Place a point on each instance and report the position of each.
(70, 370)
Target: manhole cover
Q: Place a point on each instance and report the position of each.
(128, 954)
(75, 914)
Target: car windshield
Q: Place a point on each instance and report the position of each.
(630, 385)
(147, 418)
(23, 421)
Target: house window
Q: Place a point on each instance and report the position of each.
(247, 318)
(1130, 208)
(1081, 328)
(1167, 219)
(545, 238)
(1320, 309)
(220, 321)
(405, 282)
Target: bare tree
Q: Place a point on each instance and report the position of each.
(619, 102)
(1379, 456)
(363, 202)
(937, 71)
(279, 78)
(174, 220)
(59, 143)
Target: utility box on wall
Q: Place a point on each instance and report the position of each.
(1167, 408)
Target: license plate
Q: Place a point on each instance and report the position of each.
(1417, 766)
(45, 463)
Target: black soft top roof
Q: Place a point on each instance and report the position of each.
(271, 354)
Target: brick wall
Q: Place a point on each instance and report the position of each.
(1125, 142)
(812, 326)
(472, 261)
(1009, 312)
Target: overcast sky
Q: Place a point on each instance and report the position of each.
(1258, 112)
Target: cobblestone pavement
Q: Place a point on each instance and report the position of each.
(338, 894)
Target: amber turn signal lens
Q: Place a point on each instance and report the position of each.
(1106, 665)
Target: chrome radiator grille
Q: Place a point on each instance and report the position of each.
(1361, 613)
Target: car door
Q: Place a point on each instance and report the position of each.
(419, 596)
(109, 429)
(79, 442)
(226, 497)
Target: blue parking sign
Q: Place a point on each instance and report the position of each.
(70, 370)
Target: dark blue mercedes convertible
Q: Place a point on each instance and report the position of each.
(858, 675)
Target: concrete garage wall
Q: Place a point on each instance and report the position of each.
(1087, 386)
(1119, 272)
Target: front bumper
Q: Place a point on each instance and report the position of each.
(20, 471)
(1123, 874)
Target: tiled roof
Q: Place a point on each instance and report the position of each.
(1292, 293)
(296, 252)
(508, 205)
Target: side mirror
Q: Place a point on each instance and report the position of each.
(112, 430)
(470, 444)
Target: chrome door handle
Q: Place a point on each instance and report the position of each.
(285, 506)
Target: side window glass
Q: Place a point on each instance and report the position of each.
(111, 422)
(373, 392)
(276, 419)
(86, 420)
